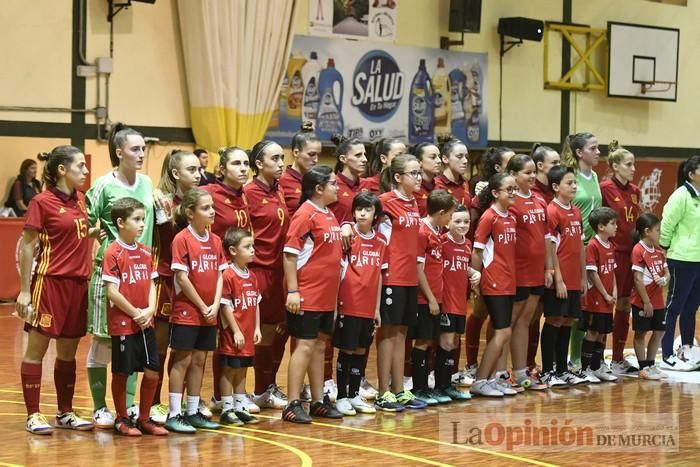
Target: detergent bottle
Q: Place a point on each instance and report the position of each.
(441, 85)
(309, 74)
(473, 108)
(295, 92)
(421, 117)
(329, 120)
(458, 92)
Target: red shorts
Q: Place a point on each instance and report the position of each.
(60, 306)
(164, 297)
(272, 305)
(623, 274)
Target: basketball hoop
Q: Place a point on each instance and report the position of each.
(647, 86)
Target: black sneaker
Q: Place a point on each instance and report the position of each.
(230, 418)
(295, 413)
(246, 417)
(325, 409)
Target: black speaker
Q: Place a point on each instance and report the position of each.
(521, 28)
(465, 16)
(144, 1)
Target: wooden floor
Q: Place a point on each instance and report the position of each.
(385, 439)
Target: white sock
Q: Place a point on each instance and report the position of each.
(228, 403)
(238, 401)
(175, 401)
(192, 405)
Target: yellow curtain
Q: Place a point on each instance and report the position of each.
(235, 52)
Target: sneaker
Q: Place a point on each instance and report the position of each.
(361, 405)
(215, 406)
(552, 380)
(125, 426)
(269, 400)
(658, 372)
(603, 375)
(103, 418)
(305, 394)
(295, 413)
(572, 367)
(691, 355)
(456, 395)
(462, 379)
(623, 368)
(133, 412)
(204, 409)
(345, 407)
(278, 392)
(530, 382)
(572, 379)
(470, 371)
(199, 420)
(675, 363)
(485, 388)
(367, 391)
(179, 424)
(325, 409)
(503, 384)
(387, 403)
(330, 388)
(426, 396)
(649, 373)
(71, 421)
(149, 427)
(408, 400)
(591, 376)
(245, 416)
(248, 404)
(431, 379)
(37, 424)
(514, 384)
(407, 382)
(159, 413)
(439, 396)
(229, 418)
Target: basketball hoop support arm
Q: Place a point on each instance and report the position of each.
(594, 38)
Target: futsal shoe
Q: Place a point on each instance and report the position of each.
(368, 391)
(691, 354)
(159, 413)
(199, 420)
(330, 388)
(133, 412)
(676, 363)
(203, 409)
(245, 416)
(504, 385)
(439, 396)
(345, 407)
(295, 413)
(529, 381)
(103, 418)
(179, 424)
(573, 379)
(247, 403)
(486, 388)
(553, 381)
(462, 379)
(37, 424)
(456, 395)
(604, 375)
(71, 421)
(325, 409)
(125, 426)
(387, 403)
(426, 396)
(649, 373)
(269, 399)
(149, 427)
(361, 405)
(623, 368)
(408, 400)
(229, 418)
(591, 376)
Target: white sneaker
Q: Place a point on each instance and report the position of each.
(345, 407)
(591, 376)
(367, 391)
(215, 406)
(623, 368)
(658, 372)
(502, 384)
(71, 421)
(461, 378)
(103, 418)
(247, 403)
(407, 383)
(37, 424)
(470, 371)
(431, 379)
(330, 388)
(572, 379)
(269, 400)
(204, 409)
(485, 388)
(675, 363)
(133, 412)
(305, 394)
(159, 413)
(649, 373)
(603, 375)
(691, 355)
(552, 380)
(361, 405)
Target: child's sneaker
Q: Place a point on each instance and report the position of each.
(439, 396)
(179, 424)
(408, 400)
(503, 384)
(247, 403)
(623, 368)
(103, 418)
(553, 381)
(37, 424)
(462, 379)
(295, 413)
(456, 395)
(325, 409)
(529, 381)
(125, 427)
(245, 416)
(572, 379)
(603, 375)
(71, 421)
(149, 427)
(199, 420)
(485, 388)
(269, 399)
(367, 391)
(387, 403)
(426, 396)
(361, 405)
(591, 376)
(229, 418)
(159, 413)
(345, 407)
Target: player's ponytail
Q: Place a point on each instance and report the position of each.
(645, 221)
(118, 135)
(486, 197)
(60, 155)
(190, 200)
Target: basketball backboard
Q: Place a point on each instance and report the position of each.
(643, 61)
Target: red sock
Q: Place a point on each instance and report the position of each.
(472, 336)
(407, 363)
(263, 368)
(119, 393)
(161, 373)
(216, 372)
(31, 385)
(621, 326)
(328, 361)
(148, 391)
(279, 345)
(64, 379)
(533, 343)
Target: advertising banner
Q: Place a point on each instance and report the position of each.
(356, 19)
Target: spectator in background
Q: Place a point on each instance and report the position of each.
(24, 188)
(206, 177)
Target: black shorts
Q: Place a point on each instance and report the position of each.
(598, 322)
(500, 309)
(187, 338)
(567, 308)
(309, 324)
(399, 305)
(352, 332)
(656, 323)
(426, 326)
(135, 352)
(452, 323)
(522, 293)
(236, 362)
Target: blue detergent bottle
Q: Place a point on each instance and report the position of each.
(421, 115)
(329, 120)
(458, 92)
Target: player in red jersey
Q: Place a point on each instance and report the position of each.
(429, 157)
(128, 272)
(198, 261)
(270, 221)
(494, 256)
(651, 275)
(239, 327)
(306, 149)
(312, 254)
(562, 304)
(53, 301)
(358, 308)
(623, 196)
(383, 153)
(491, 162)
(455, 160)
(399, 300)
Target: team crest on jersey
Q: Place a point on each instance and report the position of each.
(346, 194)
(166, 309)
(227, 201)
(264, 201)
(633, 198)
(61, 211)
(45, 320)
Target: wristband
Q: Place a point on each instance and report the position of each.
(293, 291)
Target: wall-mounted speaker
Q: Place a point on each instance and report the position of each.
(521, 28)
(465, 16)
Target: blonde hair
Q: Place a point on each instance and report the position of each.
(573, 143)
(616, 153)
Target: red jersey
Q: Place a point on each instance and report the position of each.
(544, 191)
(496, 236)
(241, 294)
(162, 244)
(566, 231)
(130, 267)
(456, 258)
(230, 206)
(422, 196)
(401, 230)
(315, 238)
(458, 189)
(62, 223)
(270, 220)
(624, 200)
(649, 261)
(347, 189)
(371, 184)
(202, 258)
(530, 214)
(290, 184)
(361, 275)
(430, 254)
(600, 257)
